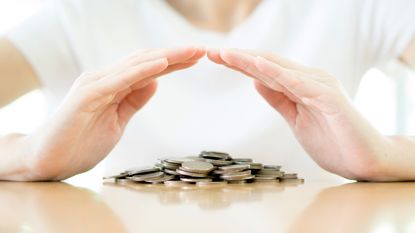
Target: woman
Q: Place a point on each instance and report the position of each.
(205, 106)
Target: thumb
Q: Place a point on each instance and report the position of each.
(280, 102)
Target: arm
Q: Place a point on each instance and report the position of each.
(16, 79)
(408, 56)
(91, 119)
(16, 75)
(323, 119)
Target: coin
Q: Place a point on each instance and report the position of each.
(245, 175)
(179, 160)
(272, 167)
(242, 160)
(160, 179)
(209, 169)
(197, 166)
(141, 170)
(215, 155)
(234, 168)
(255, 166)
(219, 162)
(146, 176)
(170, 171)
(266, 181)
(119, 176)
(289, 176)
(191, 174)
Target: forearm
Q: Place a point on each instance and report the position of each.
(399, 158)
(13, 150)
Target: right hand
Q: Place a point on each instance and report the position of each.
(94, 114)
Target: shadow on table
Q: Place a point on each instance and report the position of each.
(361, 207)
(53, 207)
(207, 198)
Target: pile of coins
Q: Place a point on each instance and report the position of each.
(210, 168)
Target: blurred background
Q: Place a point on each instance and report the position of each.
(385, 96)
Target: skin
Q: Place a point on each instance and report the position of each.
(98, 107)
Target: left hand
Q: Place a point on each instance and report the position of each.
(318, 111)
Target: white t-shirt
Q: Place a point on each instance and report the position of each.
(209, 107)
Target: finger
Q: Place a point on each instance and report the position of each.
(284, 62)
(214, 55)
(173, 56)
(298, 84)
(135, 101)
(170, 69)
(131, 76)
(279, 102)
(245, 63)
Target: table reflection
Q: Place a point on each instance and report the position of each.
(206, 198)
(54, 207)
(361, 207)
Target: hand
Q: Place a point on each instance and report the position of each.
(94, 114)
(322, 118)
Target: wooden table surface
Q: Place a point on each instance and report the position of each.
(284, 207)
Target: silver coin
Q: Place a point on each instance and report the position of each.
(272, 167)
(141, 170)
(242, 160)
(265, 177)
(256, 166)
(266, 181)
(219, 162)
(269, 173)
(234, 168)
(179, 160)
(119, 176)
(197, 166)
(191, 174)
(168, 165)
(170, 171)
(289, 176)
(195, 180)
(161, 179)
(146, 176)
(245, 176)
(215, 155)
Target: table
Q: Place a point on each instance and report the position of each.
(315, 206)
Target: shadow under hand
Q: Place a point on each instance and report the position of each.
(54, 207)
(361, 207)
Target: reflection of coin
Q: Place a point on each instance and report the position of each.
(195, 180)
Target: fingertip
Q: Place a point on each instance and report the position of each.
(214, 55)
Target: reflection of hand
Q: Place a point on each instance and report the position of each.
(313, 103)
(54, 207)
(360, 207)
(97, 109)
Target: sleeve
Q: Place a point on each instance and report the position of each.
(44, 42)
(387, 27)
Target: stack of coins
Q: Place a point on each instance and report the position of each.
(210, 168)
